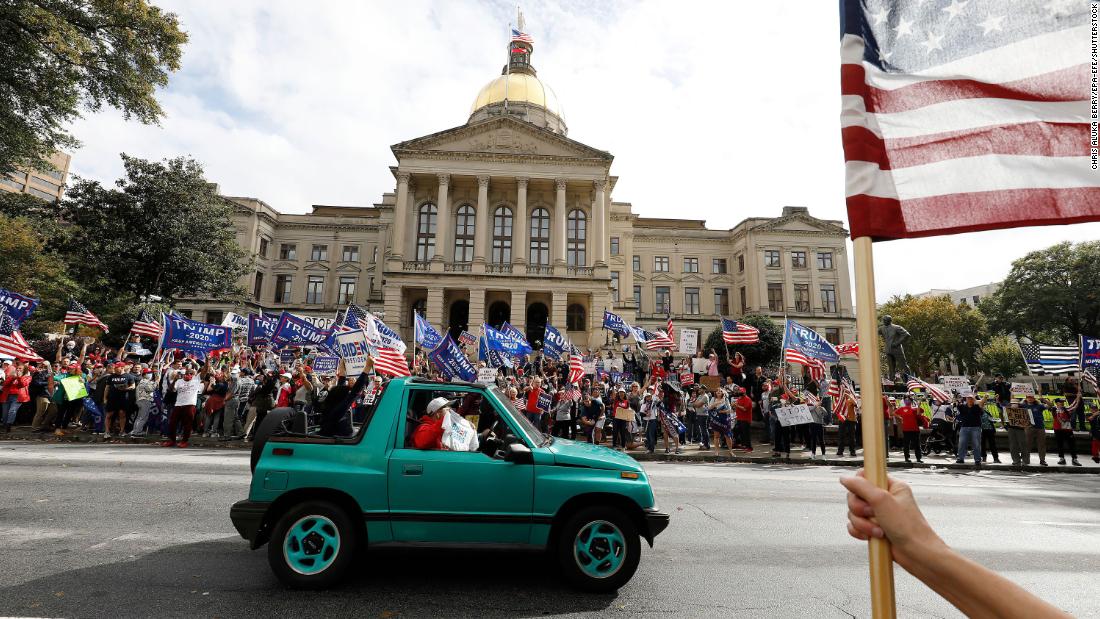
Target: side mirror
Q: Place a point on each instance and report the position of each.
(518, 453)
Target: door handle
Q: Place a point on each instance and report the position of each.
(412, 469)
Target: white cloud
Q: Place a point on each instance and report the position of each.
(716, 111)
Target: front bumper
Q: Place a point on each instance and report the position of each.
(654, 523)
(248, 519)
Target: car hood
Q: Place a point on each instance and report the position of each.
(574, 453)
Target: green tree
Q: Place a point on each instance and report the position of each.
(764, 353)
(1051, 295)
(61, 57)
(941, 331)
(1000, 355)
(29, 268)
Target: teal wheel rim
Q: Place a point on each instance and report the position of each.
(311, 545)
(600, 549)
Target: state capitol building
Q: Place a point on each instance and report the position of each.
(506, 218)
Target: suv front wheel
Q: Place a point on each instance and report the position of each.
(598, 549)
(312, 545)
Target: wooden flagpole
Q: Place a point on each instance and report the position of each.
(874, 456)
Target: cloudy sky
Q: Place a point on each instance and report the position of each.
(715, 111)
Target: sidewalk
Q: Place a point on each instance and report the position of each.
(761, 454)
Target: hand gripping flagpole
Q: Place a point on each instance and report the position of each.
(874, 456)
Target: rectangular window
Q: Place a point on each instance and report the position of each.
(52, 173)
(828, 297)
(691, 301)
(186, 313)
(691, 265)
(374, 254)
(832, 335)
(282, 288)
(351, 253)
(775, 297)
(346, 293)
(771, 258)
(614, 246)
(288, 251)
(638, 297)
(740, 263)
(825, 260)
(637, 264)
(798, 259)
(315, 289)
(977, 298)
(45, 195)
(45, 183)
(802, 298)
(319, 253)
(263, 247)
(718, 266)
(370, 285)
(744, 301)
(12, 183)
(661, 300)
(722, 301)
(258, 287)
(214, 317)
(660, 264)
(615, 286)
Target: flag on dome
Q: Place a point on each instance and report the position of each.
(520, 36)
(966, 117)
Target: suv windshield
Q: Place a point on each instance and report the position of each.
(537, 438)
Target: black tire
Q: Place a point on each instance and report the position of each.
(572, 562)
(331, 563)
(271, 422)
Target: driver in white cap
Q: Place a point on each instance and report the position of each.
(429, 434)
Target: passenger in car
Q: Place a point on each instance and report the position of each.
(429, 433)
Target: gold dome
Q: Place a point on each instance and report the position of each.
(518, 87)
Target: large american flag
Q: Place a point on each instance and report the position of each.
(12, 343)
(146, 325)
(965, 115)
(389, 362)
(1089, 376)
(576, 367)
(658, 340)
(934, 392)
(79, 315)
(734, 332)
(1043, 359)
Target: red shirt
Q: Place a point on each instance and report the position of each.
(744, 408)
(429, 434)
(908, 415)
(533, 400)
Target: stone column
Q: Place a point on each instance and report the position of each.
(393, 305)
(519, 310)
(557, 311)
(434, 312)
(443, 244)
(597, 237)
(557, 230)
(477, 309)
(481, 222)
(520, 225)
(400, 216)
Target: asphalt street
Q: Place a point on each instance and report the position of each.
(138, 531)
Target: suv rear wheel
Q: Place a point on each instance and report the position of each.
(312, 545)
(598, 549)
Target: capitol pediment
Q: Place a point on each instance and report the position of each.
(501, 136)
(801, 223)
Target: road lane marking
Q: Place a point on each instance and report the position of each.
(1062, 524)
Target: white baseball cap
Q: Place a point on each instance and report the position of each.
(437, 404)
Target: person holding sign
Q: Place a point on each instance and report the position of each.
(1015, 423)
(1094, 419)
(1036, 430)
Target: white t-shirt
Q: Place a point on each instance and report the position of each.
(187, 391)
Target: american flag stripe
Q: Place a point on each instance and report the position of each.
(739, 332)
(77, 314)
(145, 325)
(576, 368)
(1044, 359)
(389, 362)
(521, 36)
(963, 124)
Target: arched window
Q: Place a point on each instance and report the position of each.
(574, 317)
(575, 234)
(464, 233)
(502, 235)
(540, 237)
(425, 232)
(420, 306)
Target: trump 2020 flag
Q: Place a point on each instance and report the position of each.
(20, 307)
(261, 328)
(554, 343)
(615, 324)
(965, 117)
(524, 347)
(296, 331)
(426, 335)
(450, 360)
(802, 345)
(1090, 355)
(502, 342)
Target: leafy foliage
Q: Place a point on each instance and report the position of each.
(61, 57)
(941, 331)
(1000, 356)
(29, 268)
(765, 353)
(1051, 295)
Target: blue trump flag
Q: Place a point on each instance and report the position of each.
(553, 342)
(295, 331)
(515, 334)
(804, 341)
(451, 362)
(1090, 357)
(260, 329)
(615, 324)
(193, 336)
(20, 307)
(502, 342)
(426, 335)
(493, 358)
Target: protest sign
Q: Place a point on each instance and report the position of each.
(1017, 417)
(74, 387)
(352, 347)
(616, 377)
(689, 341)
(194, 337)
(235, 321)
(321, 322)
(794, 415)
(467, 338)
(626, 378)
(286, 356)
(699, 366)
(1020, 390)
(544, 401)
(712, 383)
(589, 367)
(487, 376)
(325, 365)
(955, 382)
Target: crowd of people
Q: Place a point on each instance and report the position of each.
(634, 401)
